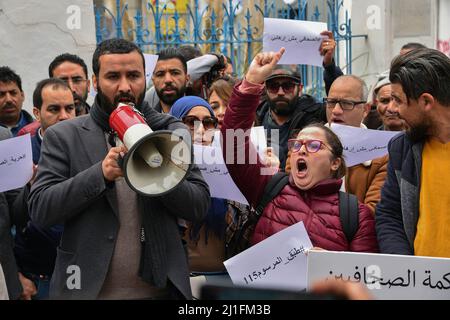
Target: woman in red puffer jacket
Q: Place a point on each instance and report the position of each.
(317, 163)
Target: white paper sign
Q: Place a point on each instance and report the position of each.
(257, 138)
(301, 39)
(150, 64)
(362, 144)
(3, 288)
(16, 162)
(387, 277)
(210, 161)
(279, 262)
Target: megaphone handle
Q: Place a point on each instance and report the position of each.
(120, 161)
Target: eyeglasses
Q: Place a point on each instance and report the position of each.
(312, 146)
(208, 122)
(75, 80)
(274, 87)
(345, 104)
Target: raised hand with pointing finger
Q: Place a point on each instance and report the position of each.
(263, 65)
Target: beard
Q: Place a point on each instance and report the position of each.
(419, 132)
(108, 105)
(170, 99)
(282, 106)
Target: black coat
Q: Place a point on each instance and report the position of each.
(7, 259)
(70, 189)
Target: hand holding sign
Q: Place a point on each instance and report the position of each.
(16, 162)
(263, 65)
(327, 47)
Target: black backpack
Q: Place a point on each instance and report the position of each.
(348, 213)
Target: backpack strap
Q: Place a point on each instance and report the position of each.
(272, 189)
(349, 214)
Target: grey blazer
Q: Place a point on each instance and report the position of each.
(70, 189)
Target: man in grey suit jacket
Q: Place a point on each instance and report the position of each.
(116, 244)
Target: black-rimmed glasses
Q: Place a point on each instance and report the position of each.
(345, 104)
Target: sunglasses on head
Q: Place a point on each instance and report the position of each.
(312, 146)
(274, 87)
(208, 122)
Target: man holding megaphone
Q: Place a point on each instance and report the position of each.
(118, 179)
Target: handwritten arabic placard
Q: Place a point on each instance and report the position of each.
(389, 277)
(278, 262)
(209, 160)
(362, 144)
(16, 162)
(257, 138)
(301, 39)
(150, 64)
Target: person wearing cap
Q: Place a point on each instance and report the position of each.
(386, 107)
(286, 108)
(376, 117)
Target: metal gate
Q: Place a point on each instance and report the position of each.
(231, 27)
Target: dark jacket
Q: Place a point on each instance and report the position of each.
(36, 142)
(307, 110)
(7, 259)
(34, 247)
(397, 212)
(331, 73)
(318, 207)
(70, 188)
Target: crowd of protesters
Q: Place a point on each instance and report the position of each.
(79, 210)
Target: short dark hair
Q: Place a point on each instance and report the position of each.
(413, 46)
(422, 71)
(113, 46)
(172, 53)
(66, 57)
(337, 150)
(8, 75)
(54, 82)
(189, 52)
